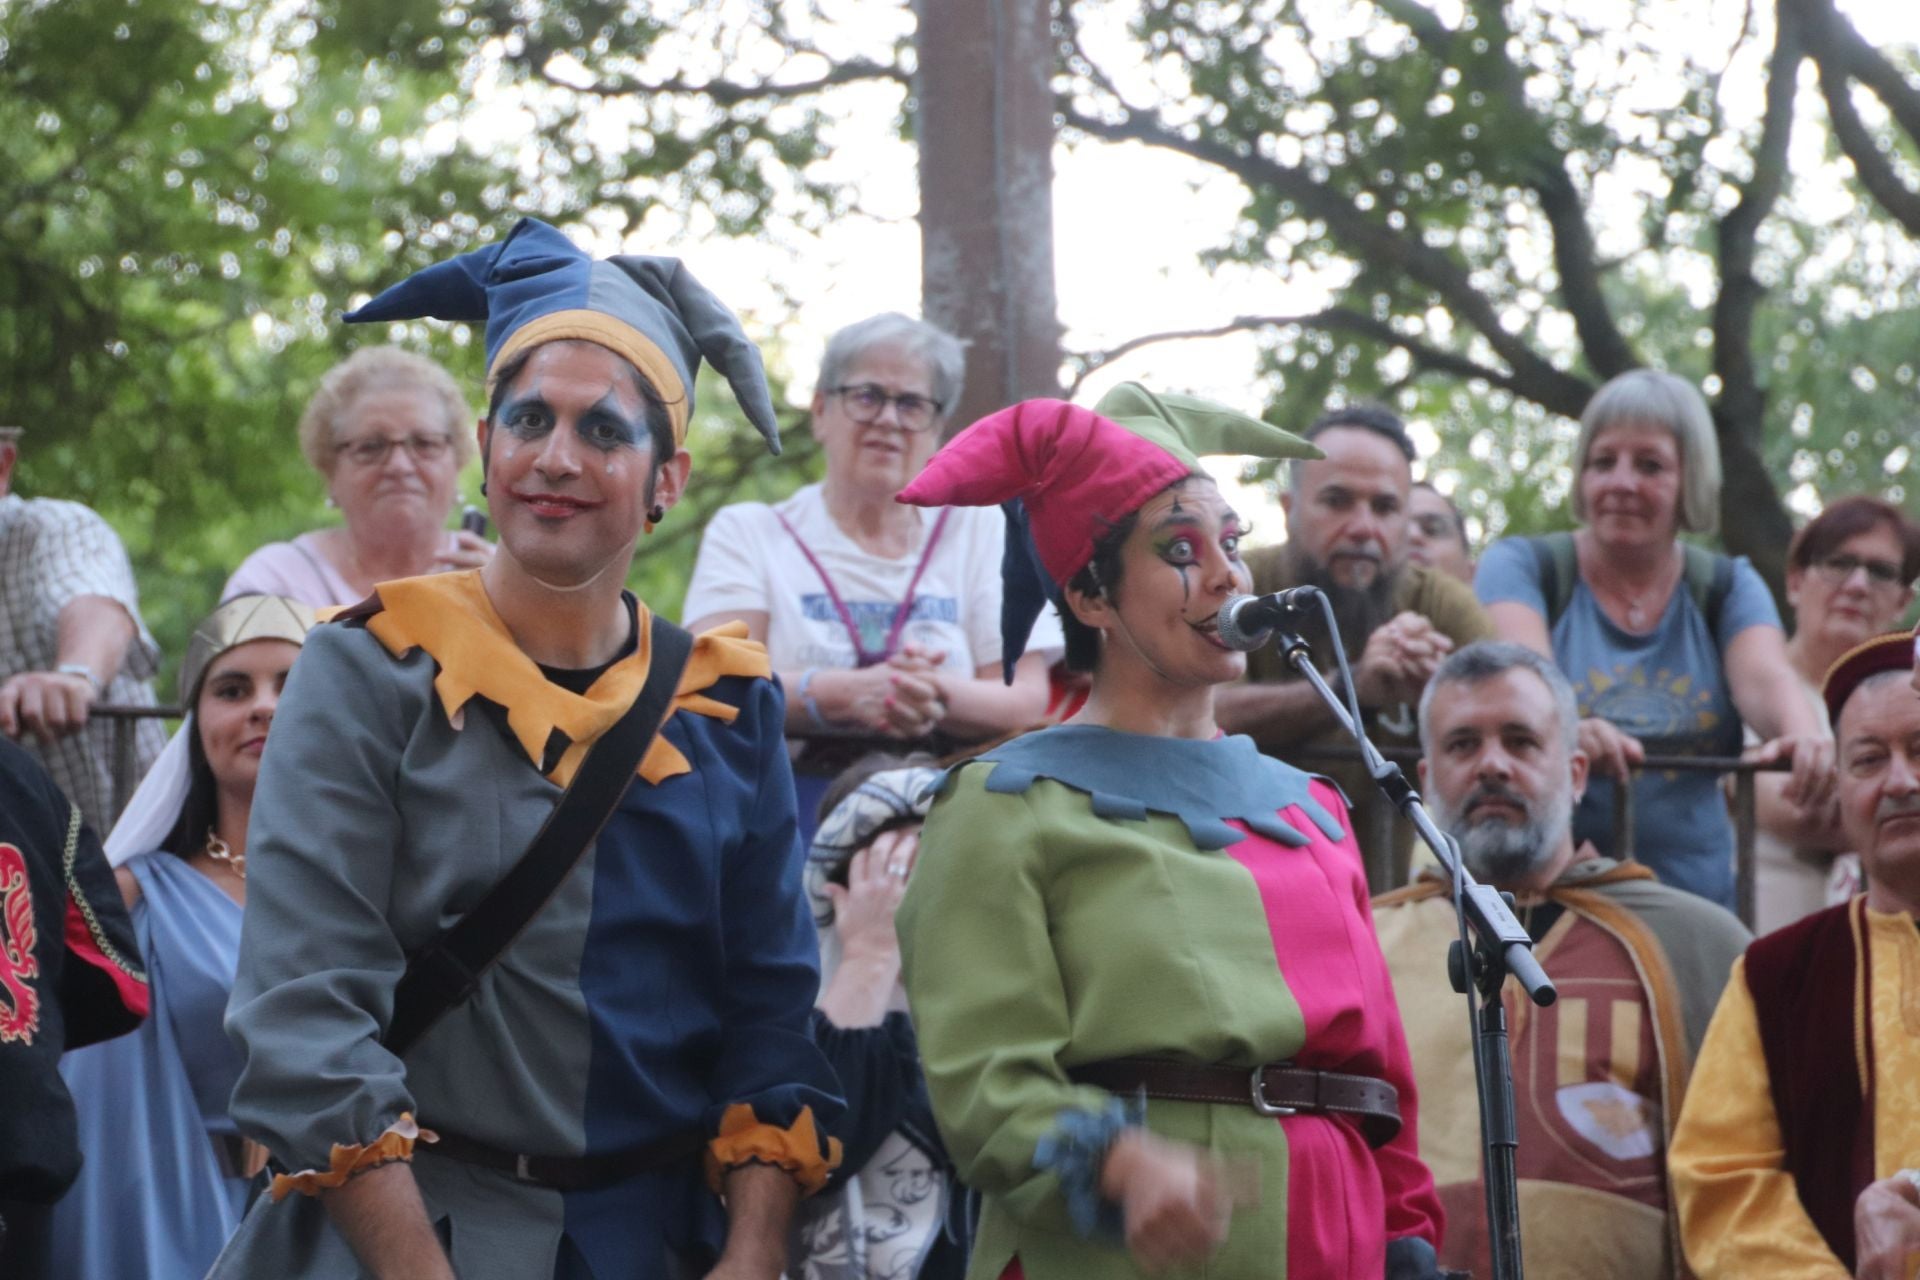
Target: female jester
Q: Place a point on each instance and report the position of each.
(643, 1042)
(1131, 904)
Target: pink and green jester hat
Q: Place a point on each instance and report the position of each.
(1064, 475)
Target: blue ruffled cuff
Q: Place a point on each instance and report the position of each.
(1074, 1151)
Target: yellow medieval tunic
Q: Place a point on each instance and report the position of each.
(1741, 1213)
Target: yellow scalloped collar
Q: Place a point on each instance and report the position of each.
(450, 616)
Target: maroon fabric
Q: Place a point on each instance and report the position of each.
(1894, 652)
(1802, 979)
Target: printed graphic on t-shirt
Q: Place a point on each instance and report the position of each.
(874, 618)
(1670, 708)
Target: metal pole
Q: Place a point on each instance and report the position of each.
(1744, 826)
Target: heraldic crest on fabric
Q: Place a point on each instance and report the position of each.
(19, 1001)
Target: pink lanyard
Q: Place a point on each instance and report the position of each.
(863, 656)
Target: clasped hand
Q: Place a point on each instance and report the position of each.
(1399, 658)
(901, 697)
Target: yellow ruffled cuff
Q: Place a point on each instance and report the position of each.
(744, 1139)
(345, 1162)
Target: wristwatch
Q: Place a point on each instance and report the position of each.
(80, 669)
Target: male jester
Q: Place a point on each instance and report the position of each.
(630, 1089)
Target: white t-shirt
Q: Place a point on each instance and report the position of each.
(749, 562)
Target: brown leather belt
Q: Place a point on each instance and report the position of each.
(567, 1173)
(1278, 1089)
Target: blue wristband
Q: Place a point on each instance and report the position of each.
(807, 699)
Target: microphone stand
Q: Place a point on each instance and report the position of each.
(1499, 946)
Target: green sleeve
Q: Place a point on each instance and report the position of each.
(988, 1001)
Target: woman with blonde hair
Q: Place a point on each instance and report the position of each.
(1669, 646)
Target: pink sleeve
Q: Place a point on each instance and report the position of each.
(1413, 1206)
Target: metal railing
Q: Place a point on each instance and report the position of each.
(126, 753)
(1377, 843)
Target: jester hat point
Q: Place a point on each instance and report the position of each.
(537, 286)
(1064, 475)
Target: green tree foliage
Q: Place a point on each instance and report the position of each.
(1515, 201)
(1501, 204)
(191, 191)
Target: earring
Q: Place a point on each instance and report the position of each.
(483, 488)
(656, 515)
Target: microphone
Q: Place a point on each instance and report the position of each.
(1247, 622)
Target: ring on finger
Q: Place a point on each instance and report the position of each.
(898, 870)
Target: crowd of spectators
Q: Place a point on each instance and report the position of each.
(1533, 677)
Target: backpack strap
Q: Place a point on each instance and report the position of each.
(1559, 570)
(1709, 578)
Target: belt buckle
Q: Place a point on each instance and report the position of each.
(1258, 1094)
(521, 1169)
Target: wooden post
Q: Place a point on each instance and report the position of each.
(984, 121)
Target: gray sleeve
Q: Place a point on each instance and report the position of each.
(318, 958)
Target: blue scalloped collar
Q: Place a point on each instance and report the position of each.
(1202, 783)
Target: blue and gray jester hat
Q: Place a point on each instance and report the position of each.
(536, 286)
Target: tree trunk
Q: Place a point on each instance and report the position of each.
(984, 121)
(1754, 522)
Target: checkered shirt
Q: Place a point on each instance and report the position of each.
(50, 553)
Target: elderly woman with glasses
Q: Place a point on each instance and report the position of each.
(881, 619)
(389, 432)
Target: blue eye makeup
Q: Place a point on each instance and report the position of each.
(527, 418)
(605, 426)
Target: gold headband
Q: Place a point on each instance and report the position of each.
(238, 621)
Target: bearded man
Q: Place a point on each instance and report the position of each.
(1598, 1075)
(1347, 535)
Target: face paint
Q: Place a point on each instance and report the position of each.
(606, 425)
(1178, 536)
(1176, 548)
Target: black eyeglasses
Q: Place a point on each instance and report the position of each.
(865, 402)
(372, 451)
(1838, 568)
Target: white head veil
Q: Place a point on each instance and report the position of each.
(157, 802)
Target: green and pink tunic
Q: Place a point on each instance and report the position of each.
(1084, 894)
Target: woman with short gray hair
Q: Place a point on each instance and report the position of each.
(1669, 646)
(882, 620)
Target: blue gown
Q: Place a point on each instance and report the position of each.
(151, 1201)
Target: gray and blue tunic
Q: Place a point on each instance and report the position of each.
(665, 987)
